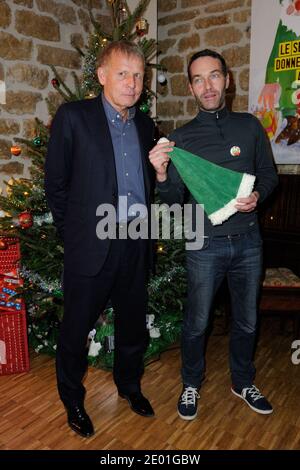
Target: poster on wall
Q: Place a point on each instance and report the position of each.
(274, 93)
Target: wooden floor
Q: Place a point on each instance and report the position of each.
(32, 417)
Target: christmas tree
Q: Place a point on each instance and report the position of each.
(25, 215)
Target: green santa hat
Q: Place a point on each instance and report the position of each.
(215, 187)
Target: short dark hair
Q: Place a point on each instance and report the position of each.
(124, 47)
(207, 53)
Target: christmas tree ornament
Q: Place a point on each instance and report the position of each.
(144, 107)
(93, 346)
(3, 245)
(37, 142)
(9, 186)
(150, 324)
(55, 83)
(161, 78)
(142, 27)
(215, 187)
(15, 150)
(25, 220)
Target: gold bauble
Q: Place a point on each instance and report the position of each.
(141, 27)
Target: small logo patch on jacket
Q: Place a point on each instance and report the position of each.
(235, 151)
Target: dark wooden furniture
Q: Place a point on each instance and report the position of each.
(280, 295)
(280, 223)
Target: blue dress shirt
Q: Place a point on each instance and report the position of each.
(128, 160)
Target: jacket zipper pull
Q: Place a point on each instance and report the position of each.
(217, 115)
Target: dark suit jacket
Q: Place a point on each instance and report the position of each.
(80, 174)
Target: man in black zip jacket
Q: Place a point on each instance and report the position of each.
(233, 249)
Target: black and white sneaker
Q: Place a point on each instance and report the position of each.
(187, 403)
(254, 399)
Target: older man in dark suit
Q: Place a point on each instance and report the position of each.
(98, 152)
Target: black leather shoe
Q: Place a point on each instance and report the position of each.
(138, 403)
(79, 421)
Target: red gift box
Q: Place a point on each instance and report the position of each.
(9, 288)
(14, 357)
(10, 256)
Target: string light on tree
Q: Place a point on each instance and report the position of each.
(37, 142)
(90, 95)
(144, 107)
(122, 12)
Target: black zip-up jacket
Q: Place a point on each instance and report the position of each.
(212, 136)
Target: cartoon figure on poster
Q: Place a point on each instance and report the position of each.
(279, 101)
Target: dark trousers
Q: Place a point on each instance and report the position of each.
(123, 281)
(239, 258)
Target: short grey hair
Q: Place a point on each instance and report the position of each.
(123, 47)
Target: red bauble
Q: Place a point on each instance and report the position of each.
(15, 150)
(3, 245)
(25, 219)
(55, 82)
(297, 5)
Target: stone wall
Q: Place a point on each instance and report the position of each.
(186, 26)
(34, 34)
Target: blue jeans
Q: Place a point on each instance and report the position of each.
(239, 258)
